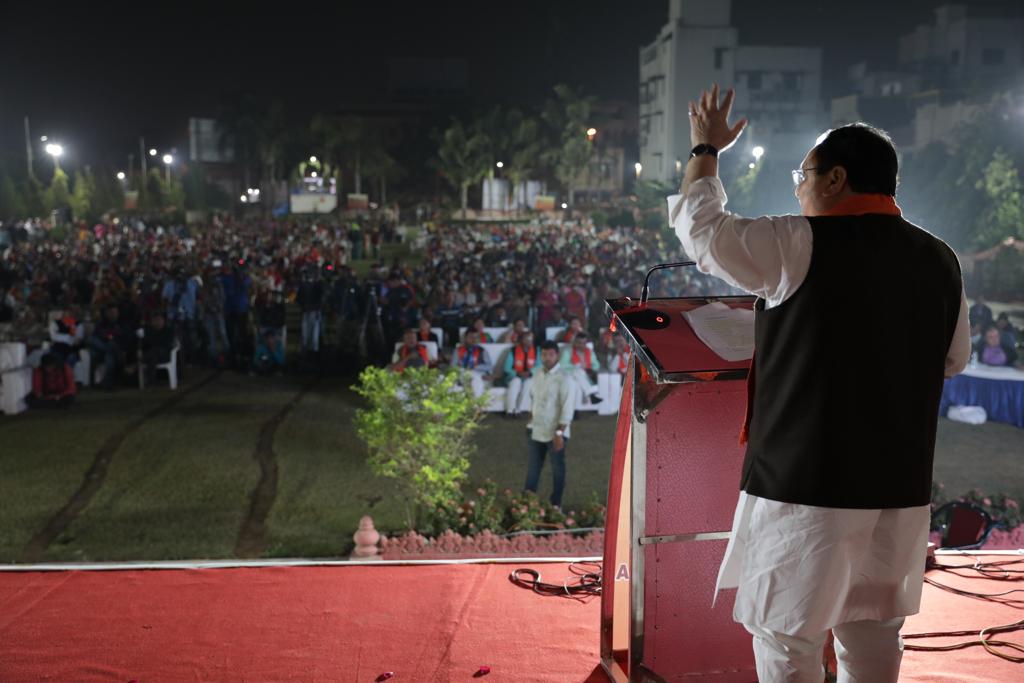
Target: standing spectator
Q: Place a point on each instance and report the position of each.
(179, 295)
(107, 342)
(980, 313)
(450, 317)
(552, 403)
(311, 300)
(520, 366)
(581, 365)
(212, 294)
(236, 310)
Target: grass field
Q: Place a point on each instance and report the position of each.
(181, 468)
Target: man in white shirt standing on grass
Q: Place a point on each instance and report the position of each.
(831, 527)
(553, 403)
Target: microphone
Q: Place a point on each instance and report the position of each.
(645, 292)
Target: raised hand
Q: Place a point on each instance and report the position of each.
(709, 120)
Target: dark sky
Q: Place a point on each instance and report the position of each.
(98, 75)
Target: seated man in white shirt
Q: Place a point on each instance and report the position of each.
(831, 526)
(473, 361)
(581, 364)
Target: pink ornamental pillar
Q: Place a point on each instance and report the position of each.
(366, 538)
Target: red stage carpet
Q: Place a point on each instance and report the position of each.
(352, 623)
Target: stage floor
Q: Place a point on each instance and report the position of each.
(435, 622)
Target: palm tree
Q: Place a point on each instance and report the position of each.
(463, 158)
(568, 116)
(525, 150)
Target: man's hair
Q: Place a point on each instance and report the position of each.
(548, 344)
(867, 153)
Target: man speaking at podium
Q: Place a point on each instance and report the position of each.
(831, 526)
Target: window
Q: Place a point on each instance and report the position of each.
(791, 81)
(992, 56)
(720, 56)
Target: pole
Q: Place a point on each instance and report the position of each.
(142, 159)
(168, 176)
(131, 164)
(28, 150)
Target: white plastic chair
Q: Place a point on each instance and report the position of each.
(171, 366)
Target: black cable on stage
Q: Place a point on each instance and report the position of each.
(992, 569)
(586, 584)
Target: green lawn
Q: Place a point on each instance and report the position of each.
(179, 484)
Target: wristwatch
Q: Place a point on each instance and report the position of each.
(559, 433)
(704, 149)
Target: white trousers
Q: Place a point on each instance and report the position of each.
(517, 396)
(583, 384)
(867, 652)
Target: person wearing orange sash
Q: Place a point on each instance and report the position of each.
(831, 527)
(520, 366)
(581, 364)
(474, 362)
(411, 354)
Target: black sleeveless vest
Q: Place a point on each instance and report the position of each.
(849, 369)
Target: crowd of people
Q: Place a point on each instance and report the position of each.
(225, 293)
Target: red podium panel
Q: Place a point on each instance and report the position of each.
(672, 492)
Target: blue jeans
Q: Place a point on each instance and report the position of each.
(311, 331)
(538, 451)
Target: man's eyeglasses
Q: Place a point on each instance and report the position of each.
(800, 174)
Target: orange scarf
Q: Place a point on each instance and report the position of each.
(860, 204)
(524, 361)
(576, 358)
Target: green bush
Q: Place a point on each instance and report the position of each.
(418, 428)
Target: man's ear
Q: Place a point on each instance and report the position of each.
(836, 181)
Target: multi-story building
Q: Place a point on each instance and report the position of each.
(946, 71)
(777, 88)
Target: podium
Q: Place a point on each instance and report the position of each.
(672, 492)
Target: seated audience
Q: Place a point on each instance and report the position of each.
(582, 365)
(992, 351)
(53, 384)
(520, 364)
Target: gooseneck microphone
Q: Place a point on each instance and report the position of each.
(645, 292)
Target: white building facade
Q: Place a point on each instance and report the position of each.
(777, 88)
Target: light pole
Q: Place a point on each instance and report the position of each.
(168, 160)
(55, 150)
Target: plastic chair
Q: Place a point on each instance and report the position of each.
(963, 525)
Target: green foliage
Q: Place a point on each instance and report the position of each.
(1002, 278)
(11, 204)
(600, 218)
(1004, 215)
(507, 512)
(418, 428)
(82, 196)
(58, 195)
(569, 115)
(463, 158)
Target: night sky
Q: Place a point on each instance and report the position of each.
(98, 75)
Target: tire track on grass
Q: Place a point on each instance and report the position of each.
(251, 535)
(97, 474)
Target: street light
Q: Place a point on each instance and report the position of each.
(638, 167)
(168, 160)
(500, 164)
(55, 151)
(591, 132)
(120, 175)
(312, 160)
(313, 174)
(43, 138)
(152, 151)
(758, 152)
(244, 199)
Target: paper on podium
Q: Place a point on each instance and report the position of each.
(729, 332)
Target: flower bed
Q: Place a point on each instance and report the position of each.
(450, 545)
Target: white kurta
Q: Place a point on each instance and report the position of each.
(802, 569)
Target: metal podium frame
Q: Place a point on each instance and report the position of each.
(645, 395)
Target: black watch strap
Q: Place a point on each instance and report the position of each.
(703, 149)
